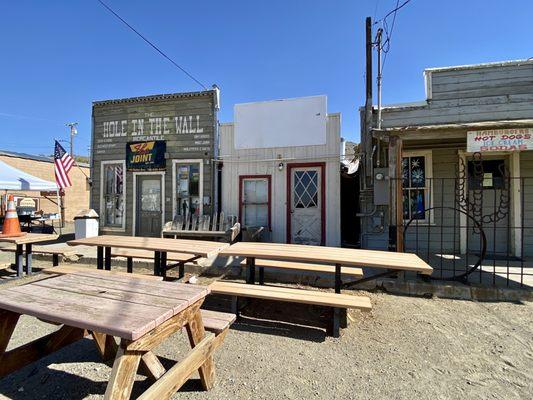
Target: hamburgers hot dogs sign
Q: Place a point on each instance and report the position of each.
(518, 139)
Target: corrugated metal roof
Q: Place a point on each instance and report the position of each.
(166, 96)
(481, 65)
(33, 157)
(517, 123)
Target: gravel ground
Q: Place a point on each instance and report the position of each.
(406, 348)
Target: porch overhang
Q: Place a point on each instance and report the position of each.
(515, 123)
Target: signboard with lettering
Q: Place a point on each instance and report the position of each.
(519, 139)
(146, 156)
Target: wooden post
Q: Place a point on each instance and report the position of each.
(396, 241)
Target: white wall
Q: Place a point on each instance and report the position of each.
(281, 123)
(248, 162)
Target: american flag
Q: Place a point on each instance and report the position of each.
(63, 163)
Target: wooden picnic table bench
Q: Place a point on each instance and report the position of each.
(53, 251)
(159, 246)
(202, 226)
(27, 240)
(142, 313)
(334, 257)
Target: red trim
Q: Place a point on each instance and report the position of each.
(269, 180)
(322, 166)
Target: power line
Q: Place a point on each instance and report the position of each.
(153, 45)
(392, 11)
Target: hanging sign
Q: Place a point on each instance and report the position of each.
(146, 156)
(519, 139)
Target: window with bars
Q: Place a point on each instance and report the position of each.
(188, 189)
(415, 184)
(255, 201)
(113, 195)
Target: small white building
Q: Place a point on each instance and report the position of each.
(280, 164)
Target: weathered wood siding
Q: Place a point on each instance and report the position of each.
(526, 172)
(245, 162)
(179, 146)
(485, 93)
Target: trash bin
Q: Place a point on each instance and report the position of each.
(86, 224)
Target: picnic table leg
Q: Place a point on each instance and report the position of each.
(8, 321)
(107, 251)
(181, 269)
(339, 314)
(55, 260)
(123, 374)
(129, 261)
(250, 267)
(100, 257)
(338, 281)
(19, 260)
(261, 275)
(163, 266)
(196, 333)
(157, 263)
(28, 258)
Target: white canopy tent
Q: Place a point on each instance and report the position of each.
(12, 178)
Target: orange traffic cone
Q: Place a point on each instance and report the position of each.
(11, 220)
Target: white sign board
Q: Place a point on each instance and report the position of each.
(500, 140)
(281, 123)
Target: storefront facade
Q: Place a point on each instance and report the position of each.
(152, 159)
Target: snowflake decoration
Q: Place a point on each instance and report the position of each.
(417, 176)
(415, 163)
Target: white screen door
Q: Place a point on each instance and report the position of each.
(306, 205)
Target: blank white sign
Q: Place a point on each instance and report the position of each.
(281, 123)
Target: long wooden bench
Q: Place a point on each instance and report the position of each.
(55, 252)
(339, 302)
(353, 272)
(179, 258)
(221, 227)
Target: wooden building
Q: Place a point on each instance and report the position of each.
(280, 165)
(73, 199)
(466, 165)
(152, 159)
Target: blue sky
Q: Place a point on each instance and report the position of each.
(59, 56)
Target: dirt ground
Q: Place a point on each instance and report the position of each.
(405, 348)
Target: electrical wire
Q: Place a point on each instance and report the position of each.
(152, 45)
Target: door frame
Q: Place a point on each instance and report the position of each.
(322, 166)
(134, 195)
(175, 163)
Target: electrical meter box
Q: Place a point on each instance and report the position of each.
(381, 186)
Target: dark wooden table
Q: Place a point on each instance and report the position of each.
(160, 247)
(29, 239)
(141, 313)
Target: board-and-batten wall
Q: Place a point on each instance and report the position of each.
(247, 162)
(470, 95)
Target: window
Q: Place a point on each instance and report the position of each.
(486, 174)
(113, 194)
(255, 201)
(416, 183)
(188, 200)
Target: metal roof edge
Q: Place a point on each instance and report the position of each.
(165, 96)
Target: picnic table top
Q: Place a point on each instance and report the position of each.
(99, 301)
(201, 248)
(330, 255)
(29, 238)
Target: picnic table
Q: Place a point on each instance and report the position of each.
(160, 247)
(142, 313)
(392, 261)
(29, 239)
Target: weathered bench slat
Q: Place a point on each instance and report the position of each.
(217, 322)
(321, 268)
(291, 295)
(73, 269)
(145, 254)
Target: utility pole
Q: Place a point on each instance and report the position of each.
(367, 148)
(73, 132)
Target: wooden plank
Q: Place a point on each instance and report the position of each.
(8, 322)
(292, 295)
(123, 375)
(109, 316)
(196, 332)
(322, 268)
(44, 250)
(217, 322)
(330, 255)
(154, 337)
(106, 345)
(30, 352)
(174, 379)
(30, 238)
(152, 365)
(140, 294)
(201, 248)
(70, 269)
